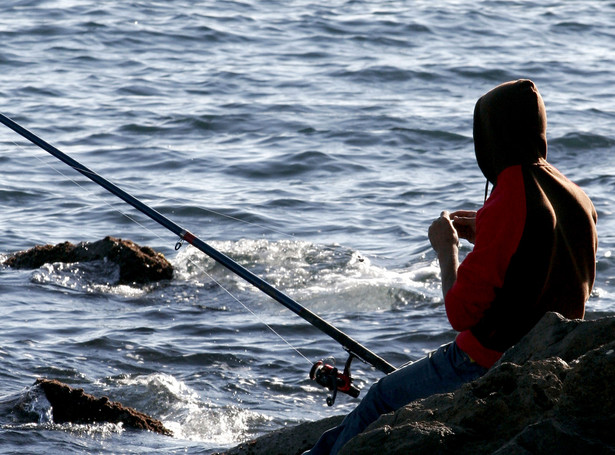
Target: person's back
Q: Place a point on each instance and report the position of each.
(553, 267)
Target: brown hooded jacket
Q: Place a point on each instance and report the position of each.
(536, 240)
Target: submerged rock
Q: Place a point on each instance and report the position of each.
(554, 392)
(137, 264)
(76, 406)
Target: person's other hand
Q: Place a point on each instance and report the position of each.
(442, 235)
(464, 221)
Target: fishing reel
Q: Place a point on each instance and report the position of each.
(330, 377)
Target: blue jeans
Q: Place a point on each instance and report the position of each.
(443, 370)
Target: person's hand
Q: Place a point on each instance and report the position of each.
(442, 234)
(444, 240)
(464, 221)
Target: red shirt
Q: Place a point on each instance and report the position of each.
(532, 254)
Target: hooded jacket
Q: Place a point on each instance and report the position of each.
(536, 241)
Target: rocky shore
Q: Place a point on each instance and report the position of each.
(552, 393)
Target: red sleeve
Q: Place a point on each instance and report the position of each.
(499, 227)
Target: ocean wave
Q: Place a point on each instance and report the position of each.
(184, 412)
(571, 27)
(93, 277)
(383, 73)
(322, 277)
(292, 165)
(582, 141)
(494, 75)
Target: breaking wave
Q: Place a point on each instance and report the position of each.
(321, 276)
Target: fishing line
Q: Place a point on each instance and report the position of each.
(85, 190)
(231, 217)
(159, 237)
(257, 317)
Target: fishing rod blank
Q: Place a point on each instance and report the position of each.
(354, 348)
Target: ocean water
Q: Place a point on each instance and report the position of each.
(313, 142)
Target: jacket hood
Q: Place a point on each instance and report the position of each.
(510, 125)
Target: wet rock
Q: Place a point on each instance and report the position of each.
(554, 392)
(136, 264)
(76, 406)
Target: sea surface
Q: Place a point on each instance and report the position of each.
(311, 141)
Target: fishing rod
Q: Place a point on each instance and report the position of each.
(326, 375)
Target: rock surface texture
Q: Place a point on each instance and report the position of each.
(552, 393)
(76, 406)
(137, 264)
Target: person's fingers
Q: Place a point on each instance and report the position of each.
(463, 213)
(463, 221)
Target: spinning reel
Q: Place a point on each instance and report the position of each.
(330, 377)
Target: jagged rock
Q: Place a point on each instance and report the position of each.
(556, 336)
(137, 264)
(554, 392)
(76, 406)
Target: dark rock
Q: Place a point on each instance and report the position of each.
(287, 441)
(554, 392)
(76, 406)
(556, 336)
(137, 264)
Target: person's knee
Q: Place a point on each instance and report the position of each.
(373, 394)
(376, 398)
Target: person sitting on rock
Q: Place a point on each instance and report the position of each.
(534, 251)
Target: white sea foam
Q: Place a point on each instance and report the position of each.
(321, 276)
(190, 416)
